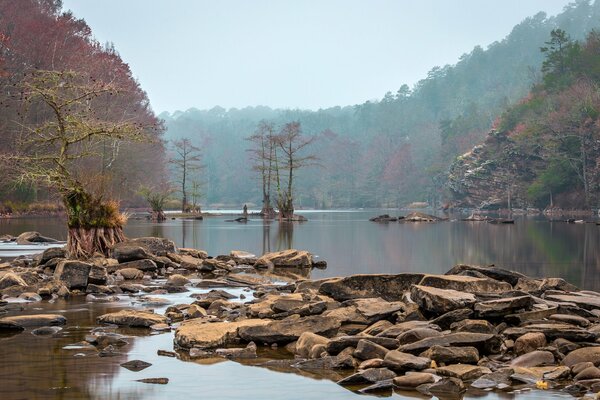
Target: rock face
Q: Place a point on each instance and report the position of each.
(133, 318)
(286, 258)
(439, 301)
(74, 273)
(388, 287)
(201, 334)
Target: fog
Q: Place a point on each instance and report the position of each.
(296, 54)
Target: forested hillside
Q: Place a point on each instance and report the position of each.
(38, 36)
(545, 150)
(391, 151)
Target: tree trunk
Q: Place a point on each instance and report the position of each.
(83, 243)
(159, 216)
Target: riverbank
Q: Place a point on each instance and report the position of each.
(473, 329)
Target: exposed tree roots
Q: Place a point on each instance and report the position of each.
(83, 243)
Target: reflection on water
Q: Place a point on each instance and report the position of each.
(351, 244)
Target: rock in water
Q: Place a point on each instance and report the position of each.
(136, 365)
(74, 273)
(133, 318)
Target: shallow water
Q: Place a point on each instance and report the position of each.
(41, 368)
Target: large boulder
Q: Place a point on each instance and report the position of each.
(52, 252)
(133, 318)
(387, 286)
(289, 329)
(439, 301)
(155, 245)
(75, 274)
(127, 251)
(285, 258)
(529, 342)
(199, 333)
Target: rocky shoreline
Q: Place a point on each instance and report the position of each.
(473, 329)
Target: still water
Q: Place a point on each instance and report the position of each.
(33, 367)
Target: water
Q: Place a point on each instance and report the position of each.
(41, 367)
(351, 244)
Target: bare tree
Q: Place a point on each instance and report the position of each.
(262, 154)
(61, 147)
(292, 145)
(187, 160)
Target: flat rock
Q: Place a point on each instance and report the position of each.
(412, 380)
(307, 341)
(20, 322)
(586, 302)
(499, 274)
(370, 375)
(201, 334)
(398, 329)
(289, 329)
(554, 331)
(446, 320)
(570, 319)
(285, 258)
(497, 379)
(485, 343)
(439, 301)
(145, 265)
(399, 361)
(452, 354)
(466, 284)
(414, 335)
(336, 345)
(463, 372)
(133, 318)
(387, 286)
(503, 306)
(473, 325)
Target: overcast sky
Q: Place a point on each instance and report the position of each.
(293, 53)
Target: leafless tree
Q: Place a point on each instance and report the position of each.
(187, 160)
(262, 154)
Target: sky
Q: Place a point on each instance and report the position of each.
(307, 54)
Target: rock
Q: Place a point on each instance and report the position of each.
(535, 315)
(242, 256)
(419, 217)
(473, 325)
(52, 252)
(131, 274)
(452, 354)
(463, 372)
(485, 343)
(591, 354)
(586, 302)
(46, 330)
(307, 341)
(144, 265)
(33, 237)
(533, 359)
(136, 365)
(446, 320)
(127, 251)
(371, 375)
(504, 306)
(377, 328)
(387, 286)
(570, 319)
(383, 218)
(577, 368)
(20, 322)
(158, 381)
(73, 273)
(201, 254)
(496, 380)
(195, 311)
(11, 279)
(133, 318)
(588, 373)
(529, 342)
(155, 245)
(466, 284)
(439, 301)
(177, 280)
(554, 331)
(366, 350)
(338, 344)
(201, 334)
(285, 258)
(98, 275)
(341, 361)
(399, 361)
(398, 329)
(289, 329)
(413, 379)
(378, 387)
(238, 353)
(445, 388)
(565, 346)
(414, 335)
(372, 363)
(375, 309)
(498, 274)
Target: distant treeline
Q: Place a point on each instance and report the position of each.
(391, 151)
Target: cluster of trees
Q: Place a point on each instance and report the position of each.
(557, 126)
(277, 156)
(394, 150)
(74, 121)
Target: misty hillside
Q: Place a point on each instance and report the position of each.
(395, 150)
